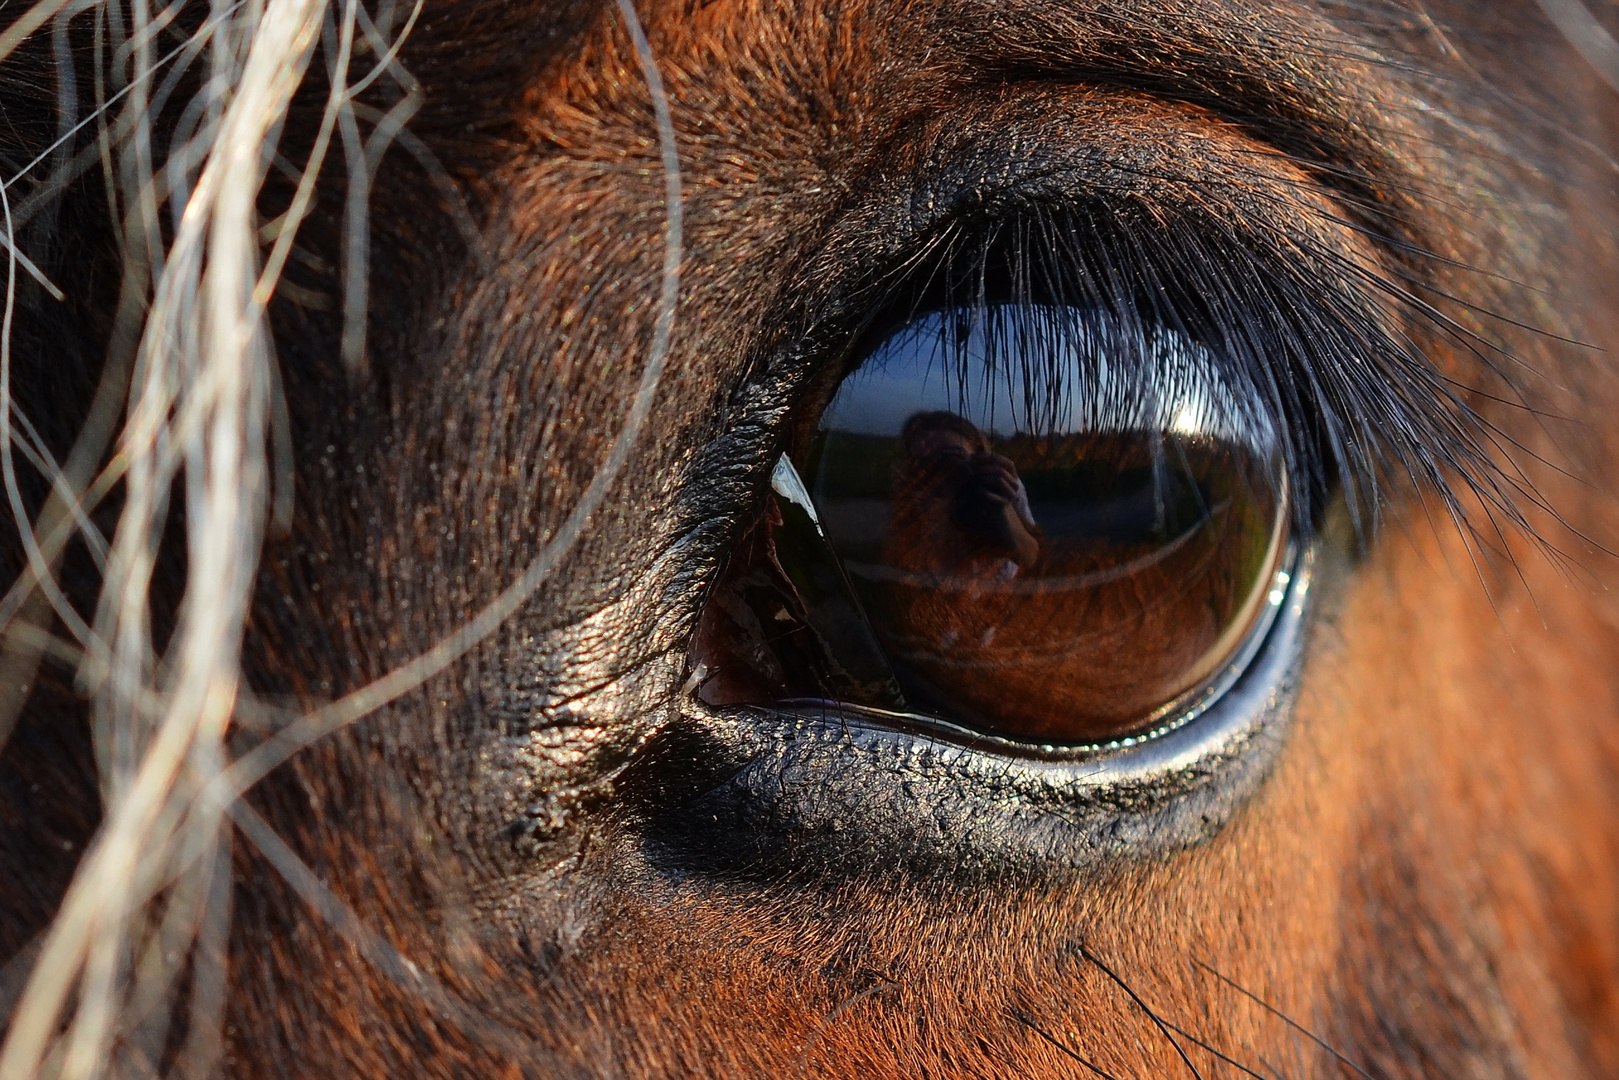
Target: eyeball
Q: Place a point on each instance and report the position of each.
(1046, 524)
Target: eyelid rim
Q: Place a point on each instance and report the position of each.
(1253, 703)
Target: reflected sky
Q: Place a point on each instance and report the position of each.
(1045, 370)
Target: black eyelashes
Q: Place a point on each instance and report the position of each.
(1330, 347)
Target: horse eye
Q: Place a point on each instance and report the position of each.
(1046, 524)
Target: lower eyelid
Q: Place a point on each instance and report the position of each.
(846, 792)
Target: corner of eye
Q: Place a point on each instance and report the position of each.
(696, 675)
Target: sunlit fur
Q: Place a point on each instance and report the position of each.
(463, 599)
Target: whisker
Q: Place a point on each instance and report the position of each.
(1058, 1045)
(1233, 1062)
(1275, 1073)
(1284, 1018)
(1151, 1015)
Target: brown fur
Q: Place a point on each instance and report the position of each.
(1430, 879)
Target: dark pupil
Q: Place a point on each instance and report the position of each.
(1057, 551)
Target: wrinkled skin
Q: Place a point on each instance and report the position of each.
(1428, 879)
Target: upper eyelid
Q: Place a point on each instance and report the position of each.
(1059, 146)
(1230, 206)
(942, 175)
(1290, 78)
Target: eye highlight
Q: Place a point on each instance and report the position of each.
(1038, 522)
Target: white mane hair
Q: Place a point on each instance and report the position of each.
(189, 407)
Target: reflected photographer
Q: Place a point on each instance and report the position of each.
(959, 509)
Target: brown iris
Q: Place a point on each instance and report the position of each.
(1034, 522)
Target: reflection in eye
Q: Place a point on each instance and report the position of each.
(1036, 521)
